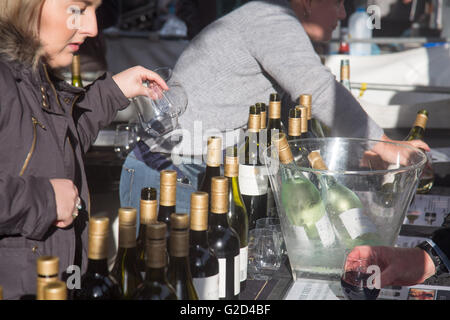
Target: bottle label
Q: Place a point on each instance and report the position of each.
(253, 180)
(243, 262)
(326, 232)
(301, 236)
(357, 223)
(207, 288)
(223, 276)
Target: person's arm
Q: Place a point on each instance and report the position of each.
(277, 40)
(106, 96)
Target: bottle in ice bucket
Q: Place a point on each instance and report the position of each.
(302, 201)
(417, 133)
(346, 211)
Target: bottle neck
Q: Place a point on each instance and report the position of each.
(165, 212)
(155, 274)
(199, 238)
(98, 266)
(218, 220)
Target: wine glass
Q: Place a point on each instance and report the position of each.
(357, 281)
(125, 139)
(159, 115)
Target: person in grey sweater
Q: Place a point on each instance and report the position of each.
(260, 48)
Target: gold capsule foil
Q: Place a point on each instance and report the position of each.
(56, 290)
(254, 122)
(179, 221)
(149, 211)
(168, 188)
(421, 121)
(316, 161)
(127, 227)
(98, 238)
(284, 150)
(156, 244)
(199, 211)
(1, 293)
(295, 127)
(231, 167)
(179, 243)
(306, 101)
(47, 270)
(274, 109)
(219, 195)
(345, 71)
(214, 152)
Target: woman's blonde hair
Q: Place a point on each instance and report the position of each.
(23, 16)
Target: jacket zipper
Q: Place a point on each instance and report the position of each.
(33, 145)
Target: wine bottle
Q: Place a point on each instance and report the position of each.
(302, 201)
(347, 214)
(76, 71)
(47, 272)
(417, 132)
(345, 74)
(304, 128)
(253, 180)
(213, 162)
(167, 196)
(203, 261)
(314, 125)
(96, 284)
(294, 137)
(56, 290)
(274, 125)
(237, 213)
(179, 272)
(125, 268)
(148, 214)
(224, 241)
(156, 286)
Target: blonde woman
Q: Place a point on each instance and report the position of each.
(45, 127)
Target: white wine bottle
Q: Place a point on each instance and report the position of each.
(76, 71)
(345, 74)
(125, 270)
(237, 213)
(347, 214)
(253, 180)
(314, 125)
(167, 197)
(213, 162)
(417, 132)
(302, 201)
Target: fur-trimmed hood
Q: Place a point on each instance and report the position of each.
(19, 47)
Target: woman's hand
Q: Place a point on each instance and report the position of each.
(131, 81)
(399, 266)
(66, 195)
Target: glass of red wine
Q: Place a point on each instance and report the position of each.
(359, 279)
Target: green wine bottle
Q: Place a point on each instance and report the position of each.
(314, 125)
(213, 162)
(167, 197)
(417, 132)
(237, 213)
(345, 74)
(294, 137)
(125, 268)
(274, 125)
(148, 214)
(352, 225)
(302, 201)
(76, 72)
(155, 286)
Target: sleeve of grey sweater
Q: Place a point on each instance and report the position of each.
(276, 39)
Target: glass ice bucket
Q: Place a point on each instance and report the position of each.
(384, 176)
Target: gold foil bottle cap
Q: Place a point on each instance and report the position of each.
(214, 152)
(275, 107)
(56, 290)
(219, 195)
(254, 120)
(199, 211)
(316, 161)
(295, 123)
(168, 188)
(421, 119)
(99, 226)
(76, 65)
(127, 216)
(306, 101)
(284, 150)
(148, 205)
(263, 108)
(1, 293)
(179, 221)
(304, 118)
(98, 235)
(231, 167)
(47, 266)
(156, 231)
